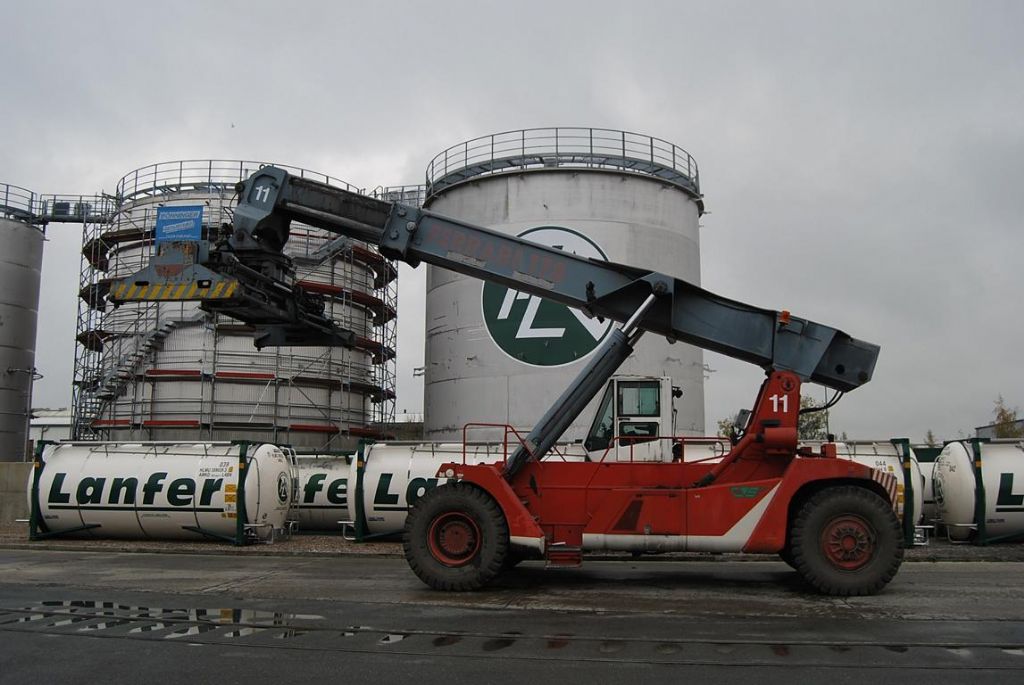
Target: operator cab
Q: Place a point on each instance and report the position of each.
(634, 413)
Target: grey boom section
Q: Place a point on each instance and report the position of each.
(271, 198)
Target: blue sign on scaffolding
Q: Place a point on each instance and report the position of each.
(179, 223)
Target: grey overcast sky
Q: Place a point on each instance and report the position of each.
(863, 162)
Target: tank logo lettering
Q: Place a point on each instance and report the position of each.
(90, 490)
(125, 487)
(180, 492)
(56, 496)
(153, 486)
(1007, 501)
(537, 331)
(314, 485)
(382, 496)
(337, 491)
(419, 487)
(210, 486)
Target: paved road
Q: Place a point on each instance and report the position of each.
(72, 617)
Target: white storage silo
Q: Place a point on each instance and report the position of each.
(494, 354)
(170, 371)
(21, 264)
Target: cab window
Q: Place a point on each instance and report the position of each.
(635, 432)
(602, 430)
(639, 398)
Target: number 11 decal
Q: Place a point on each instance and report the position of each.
(777, 400)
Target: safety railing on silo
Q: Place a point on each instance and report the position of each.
(575, 148)
(17, 203)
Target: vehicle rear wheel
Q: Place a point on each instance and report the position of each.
(845, 541)
(786, 554)
(456, 538)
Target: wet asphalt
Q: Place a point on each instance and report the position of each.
(71, 617)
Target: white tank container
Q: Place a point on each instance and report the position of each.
(323, 491)
(493, 354)
(160, 490)
(884, 456)
(1002, 474)
(929, 508)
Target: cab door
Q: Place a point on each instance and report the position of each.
(628, 422)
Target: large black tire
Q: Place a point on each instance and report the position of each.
(456, 538)
(846, 540)
(786, 554)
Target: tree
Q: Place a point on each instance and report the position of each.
(1007, 424)
(930, 440)
(810, 426)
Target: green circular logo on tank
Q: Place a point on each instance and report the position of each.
(540, 332)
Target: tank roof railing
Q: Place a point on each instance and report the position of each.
(205, 175)
(17, 203)
(408, 194)
(572, 148)
(24, 205)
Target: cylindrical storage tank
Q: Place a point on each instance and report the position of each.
(1002, 479)
(20, 267)
(322, 492)
(159, 490)
(170, 371)
(390, 477)
(494, 354)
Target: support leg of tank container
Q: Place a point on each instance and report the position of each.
(241, 515)
(909, 513)
(36, 525)
(361, 530)
(980, 505)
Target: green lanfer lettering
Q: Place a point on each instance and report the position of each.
(314, 485)
(180, 492)
(337, 490)
(153, 486)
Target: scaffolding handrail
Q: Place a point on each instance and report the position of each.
(563, 147)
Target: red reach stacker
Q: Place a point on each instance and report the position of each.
(832, 520)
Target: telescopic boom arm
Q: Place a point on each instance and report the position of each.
(271, 198)
(256, 273)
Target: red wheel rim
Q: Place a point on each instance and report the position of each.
(454, 538)
(848, 542)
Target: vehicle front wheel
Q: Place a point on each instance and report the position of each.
(846, 540)
(456, 538)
